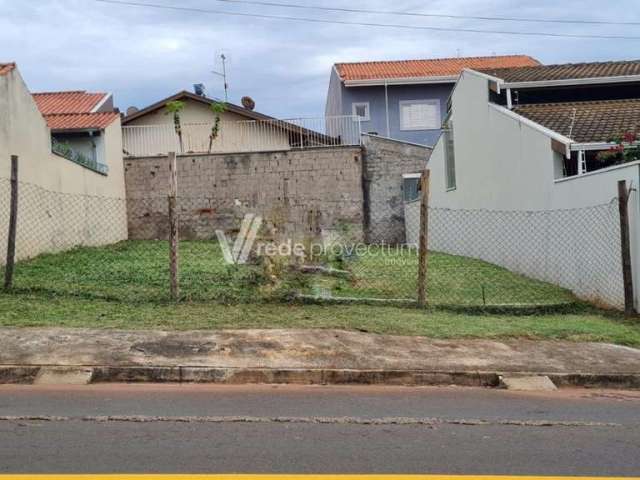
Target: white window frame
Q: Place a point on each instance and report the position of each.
(449, 156)
(429, 101)
(406, 176)
(354, 106)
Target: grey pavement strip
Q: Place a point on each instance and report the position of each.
(430, 422)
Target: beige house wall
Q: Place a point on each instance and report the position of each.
(61, 204)
(237, 133)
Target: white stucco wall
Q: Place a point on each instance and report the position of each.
(509, 209)
(61, 204)
(237, 133)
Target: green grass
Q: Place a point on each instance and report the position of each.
(37, 310)
(138, 271)
(452, 280)
(126, 286)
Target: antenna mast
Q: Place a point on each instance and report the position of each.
(223, 74)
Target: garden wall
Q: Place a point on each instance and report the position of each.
(385, 162)
(299, 193)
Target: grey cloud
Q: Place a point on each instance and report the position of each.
(142, 55)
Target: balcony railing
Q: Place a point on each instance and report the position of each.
(242, 136)
(65, 150)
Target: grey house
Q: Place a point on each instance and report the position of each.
(406, 99)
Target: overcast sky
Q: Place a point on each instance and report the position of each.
(143, 55)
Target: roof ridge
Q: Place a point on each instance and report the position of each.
(77, 113)
(64, 92)
(444, 59)
(232, 107)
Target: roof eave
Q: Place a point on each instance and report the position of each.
(77, 130)
(595, 145)
(401, 81)
(573, 81)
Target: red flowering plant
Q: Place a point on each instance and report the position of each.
(626, 149)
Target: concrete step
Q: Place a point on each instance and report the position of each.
(63, 376)
(540, 383)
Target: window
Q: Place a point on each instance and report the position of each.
(449, 157)
(411, 187)
(419, 114)
(361, 109)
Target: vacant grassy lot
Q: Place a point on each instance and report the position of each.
(126, 286)
(138, 271)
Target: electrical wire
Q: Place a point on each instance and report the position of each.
(429, 15)
(367, 24)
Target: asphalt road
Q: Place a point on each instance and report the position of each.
(266, 429)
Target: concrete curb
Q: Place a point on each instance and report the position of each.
(21, 374)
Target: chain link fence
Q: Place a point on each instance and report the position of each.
(491, 257)
(85, 246)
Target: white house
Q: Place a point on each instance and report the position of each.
(524, 142)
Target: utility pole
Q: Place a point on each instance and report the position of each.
(223, 74)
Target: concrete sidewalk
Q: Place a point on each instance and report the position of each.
(306, 356)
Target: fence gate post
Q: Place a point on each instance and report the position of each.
(423, 238)
(173, 226)
(13, 224)
(625, 245)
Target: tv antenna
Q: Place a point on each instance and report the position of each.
(223, 74)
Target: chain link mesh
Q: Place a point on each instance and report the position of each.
(107, 248)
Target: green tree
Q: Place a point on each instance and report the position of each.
(217, 108)
(174, 108)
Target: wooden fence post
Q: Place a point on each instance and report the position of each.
(13, 225)
(173, 226)
(625, 245)
(423, 239)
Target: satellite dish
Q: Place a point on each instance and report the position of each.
(248, 103)
(198, 89)
(132, 110)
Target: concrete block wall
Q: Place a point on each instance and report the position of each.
(385, 161)
(299, 193)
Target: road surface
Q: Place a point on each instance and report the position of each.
(269, 429)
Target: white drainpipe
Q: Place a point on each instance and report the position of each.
(386, 108)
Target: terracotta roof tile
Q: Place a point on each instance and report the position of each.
(67, 102)
(438, 67)
(566, 71)
(80, 121)
(585, 122)
(6, 68)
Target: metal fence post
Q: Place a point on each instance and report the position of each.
(423, 239)
(13, 224)
(173, 226)
(625, 245)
